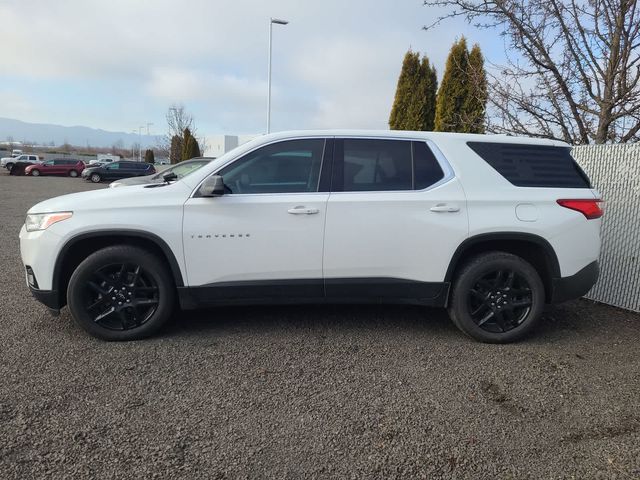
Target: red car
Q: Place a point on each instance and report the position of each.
(62, 166)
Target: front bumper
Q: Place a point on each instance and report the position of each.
(49, 298)
(575, 286)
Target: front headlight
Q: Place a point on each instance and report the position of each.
(42, 221)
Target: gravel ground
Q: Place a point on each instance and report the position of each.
(309, 392)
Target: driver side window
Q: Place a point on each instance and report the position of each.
(291, 166)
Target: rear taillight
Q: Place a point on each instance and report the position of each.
(589, 208)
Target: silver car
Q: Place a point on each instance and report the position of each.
(179, 170)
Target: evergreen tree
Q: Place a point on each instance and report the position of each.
(454, 90)
(403, 105)
(149, 156)
(475, 105)
(190, 147)
(415, 100)
(175, 154)
(428, 89)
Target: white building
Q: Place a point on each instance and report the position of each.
(216, 145)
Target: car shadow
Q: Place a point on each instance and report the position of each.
(346, 318)
(577, 320)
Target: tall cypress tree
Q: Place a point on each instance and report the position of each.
(414, 104)
(404, 102)
(190, 147)
(454, 90)
(149, 156)
(175, 154)
(428, 89)
(475, 105)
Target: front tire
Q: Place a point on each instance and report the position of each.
(95, 178)
(121, 293)
(35, 173)
(73, 173)
(497, 297)
(9, 166)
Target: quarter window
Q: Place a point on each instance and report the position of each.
(427, 170)
(285, 167)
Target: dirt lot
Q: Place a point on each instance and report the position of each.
(309, 392)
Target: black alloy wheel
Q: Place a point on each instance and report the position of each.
(496, 297)
(500, 301)
(121, 296)
(122, 292)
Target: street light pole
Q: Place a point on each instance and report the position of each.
(140, 143)
(271, 22)
(133, 147)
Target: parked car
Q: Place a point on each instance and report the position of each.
(9, 162)
(489, 226)
(117, 170)
(107, 158)
(16, 152)
(58, 166)
(179, 170)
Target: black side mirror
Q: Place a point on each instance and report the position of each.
(212, 187)
(169, 177)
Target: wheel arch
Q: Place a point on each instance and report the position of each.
(78, 247)
(532, 248)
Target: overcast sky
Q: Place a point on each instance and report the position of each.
(117, 64)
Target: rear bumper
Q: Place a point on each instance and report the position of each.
(575, 286)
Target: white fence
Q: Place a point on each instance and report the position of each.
(615, 171)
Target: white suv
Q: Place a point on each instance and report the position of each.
(9, 162)
(491, 227)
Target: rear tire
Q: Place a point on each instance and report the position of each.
(497, 297)
(9, 166)
(73, 173)
(121, 293)
(35, 173)
(95, 178)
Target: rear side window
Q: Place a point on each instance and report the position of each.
(370, 165)
(533, 165)
(373, 165)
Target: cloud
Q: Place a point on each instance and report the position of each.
(335, 64)
(15, 104)
(355, 80)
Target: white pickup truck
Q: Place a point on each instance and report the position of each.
(8, 162)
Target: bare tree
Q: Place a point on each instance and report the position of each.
(117, 147)
(178, 120)
(573, 68)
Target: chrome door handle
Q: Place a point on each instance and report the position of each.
(443, 207)
(302, 210)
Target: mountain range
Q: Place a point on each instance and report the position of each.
(43, 133)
